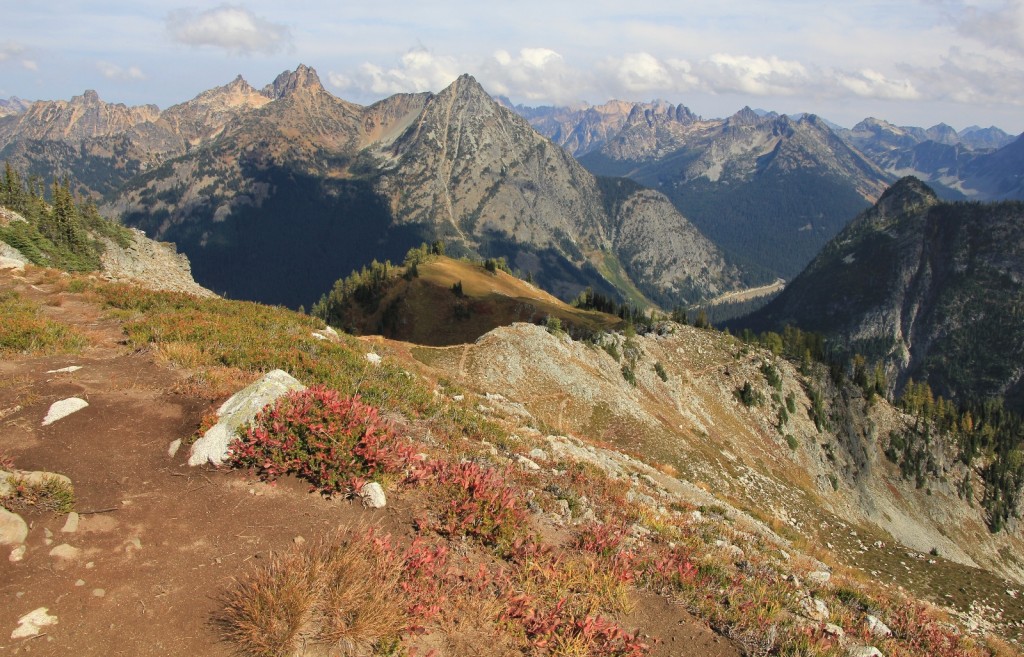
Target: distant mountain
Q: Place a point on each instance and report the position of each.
(935, 288)
(13, 105)
(275, 193)
(953, 163)
(769, 190)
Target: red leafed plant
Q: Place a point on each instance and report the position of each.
(555, 630)
(331, 441)
(474, 501)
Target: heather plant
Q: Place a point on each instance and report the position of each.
(332, 442)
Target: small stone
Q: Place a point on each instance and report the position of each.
(68, 369)
(17, 554)
(65, 551)
(172, 449)
(63, 408)
(98, 593)
(834, 630)
(373, 496)
(13, 528)
(80, 582)
(373, 359)
(31, 623)
(864, 651)
(819, 577)
(298, 540)
(538, 453)
(526, 464)
(878, 629)
(90, 565)
(815, 609)
(71, 524)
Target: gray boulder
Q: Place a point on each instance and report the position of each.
(373, 496)
(237, 412)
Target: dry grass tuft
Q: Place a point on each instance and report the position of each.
(341, 593)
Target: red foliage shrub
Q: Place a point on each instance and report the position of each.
(474, 501)
(330, 441)
(556, 630)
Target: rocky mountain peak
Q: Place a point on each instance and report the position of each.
(88, 97)
(745, 116)
(904, 196)
(302, 79)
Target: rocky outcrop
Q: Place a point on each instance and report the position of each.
(151, 264)
(237, 412)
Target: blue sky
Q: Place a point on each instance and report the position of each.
(916, 62)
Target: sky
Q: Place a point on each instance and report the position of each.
(913, 62)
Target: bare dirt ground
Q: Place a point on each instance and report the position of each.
(160, 541)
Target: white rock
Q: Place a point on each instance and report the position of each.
(318, 335)
(11, 263)
(13, 529)
(330, 332)
(17, 554)
(71, 524)
(31, 623)
(819, 577)
(373, 359)
(526, 464)
(63, 408)
(172, 449)
(69, 368)
(864, 651)
(373, 496)
(65, 551)
(238, 411)
(538, 453)
(878, 629)
(815, 609)
(834, 630)
(98, 593)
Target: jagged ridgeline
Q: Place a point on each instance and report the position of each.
(276, 193)
(54, 231)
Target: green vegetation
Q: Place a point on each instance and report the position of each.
(24, 330)
(60, 233)
(50, 493)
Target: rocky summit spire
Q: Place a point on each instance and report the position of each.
(302, 78)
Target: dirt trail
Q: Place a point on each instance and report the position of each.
(166, 538)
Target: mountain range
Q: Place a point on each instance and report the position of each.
(294, 188)
(772, 189)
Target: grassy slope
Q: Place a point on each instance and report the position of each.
(432, 314)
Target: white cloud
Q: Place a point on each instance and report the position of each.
(757, 76)
(868, 83)
(418, 70)
(15, 52)
(115, 72)
(533, 75)
(971, 78)
(233, 28)
(1000, 27)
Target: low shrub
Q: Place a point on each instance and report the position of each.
(332, 442)
(24, 330)
(474, 501)
(47, 494)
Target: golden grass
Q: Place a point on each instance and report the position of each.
(341, 593)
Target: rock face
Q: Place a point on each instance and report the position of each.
(237, 412)
(925, 284)
(151, 264)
